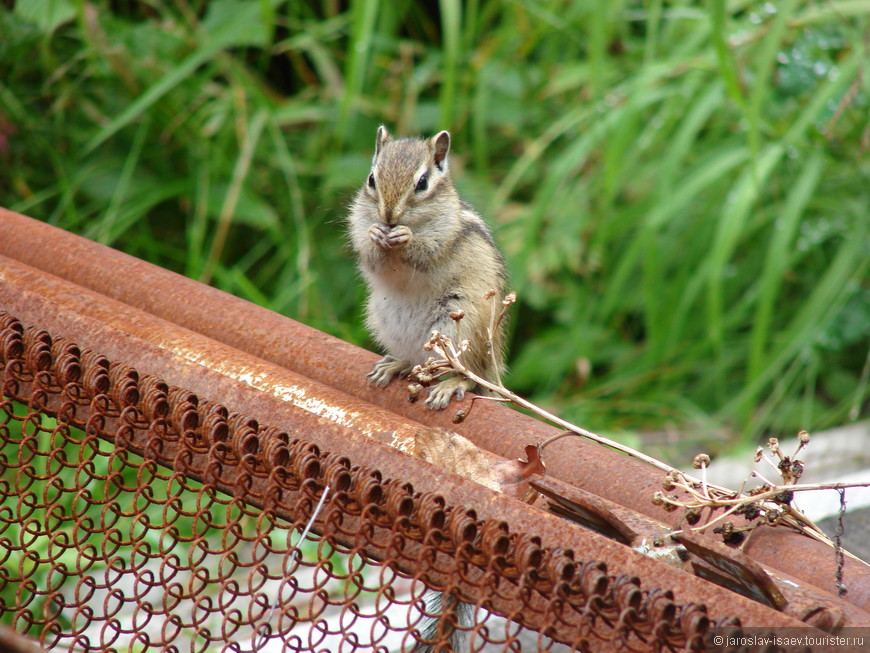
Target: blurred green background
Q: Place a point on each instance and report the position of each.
(682, 189)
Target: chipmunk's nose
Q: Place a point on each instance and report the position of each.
(390, 216)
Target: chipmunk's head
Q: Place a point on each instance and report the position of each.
(406, 174)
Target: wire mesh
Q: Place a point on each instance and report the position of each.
(139, 516)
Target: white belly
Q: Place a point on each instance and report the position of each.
(402, 321)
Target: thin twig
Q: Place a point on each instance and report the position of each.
(444, 347)
(770, 503)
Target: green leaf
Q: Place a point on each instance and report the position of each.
(157, 90)
(235, 23)
(250, 208)
(741, 199)
(777, 260)
(727, 67)
(48, 15)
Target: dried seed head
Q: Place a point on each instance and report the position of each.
(459, 415)
(773, 445)
(797, 469)
(693, 515)
(414, 390)
(725, 529)
(750, 511)
(457, 315)
(734, 537)
(804, 437)
(668, 483)
(759, 452)
(761, 489)
(701, 460)
(510, 298)
(784, 497)
(669, 506)
(489, 294)
(658, 499)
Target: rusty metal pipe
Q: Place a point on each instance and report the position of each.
(332, 362)
(227, 376)
(339, 424)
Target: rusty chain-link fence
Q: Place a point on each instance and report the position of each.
(137, 516)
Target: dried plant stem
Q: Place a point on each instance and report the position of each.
(769, 494)
(717, 519)
(444, 347)
(496, 317)
(766, 500)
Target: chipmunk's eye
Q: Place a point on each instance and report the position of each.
(372, 180)
(422, 184)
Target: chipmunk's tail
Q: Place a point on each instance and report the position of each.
(447, 611)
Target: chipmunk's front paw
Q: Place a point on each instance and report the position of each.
(378, 233)
(387, 237)
(439, 396)
(399, 235)
(388, 368)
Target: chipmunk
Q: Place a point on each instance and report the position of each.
(424, 254)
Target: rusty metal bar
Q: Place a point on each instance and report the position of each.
(708, 556)
(267, 468)
(333, 362)
(232, 352)
(338, 424)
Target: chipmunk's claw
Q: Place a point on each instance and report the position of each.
(388, 368)
(439, 395)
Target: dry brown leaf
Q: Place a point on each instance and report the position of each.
(454, 453)
(514, 475)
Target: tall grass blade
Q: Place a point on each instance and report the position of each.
(719, 35)
(364, 14)
(740, 201)
(778, 259)
(764, 67)
(165, 84)
(243, 164)
(451, 12)
(104, 234)
(815, 314)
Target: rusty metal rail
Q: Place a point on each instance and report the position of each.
(203, 429)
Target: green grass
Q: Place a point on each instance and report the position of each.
(682, 189)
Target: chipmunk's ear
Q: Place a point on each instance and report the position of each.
(441, 146)
(383, 138)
